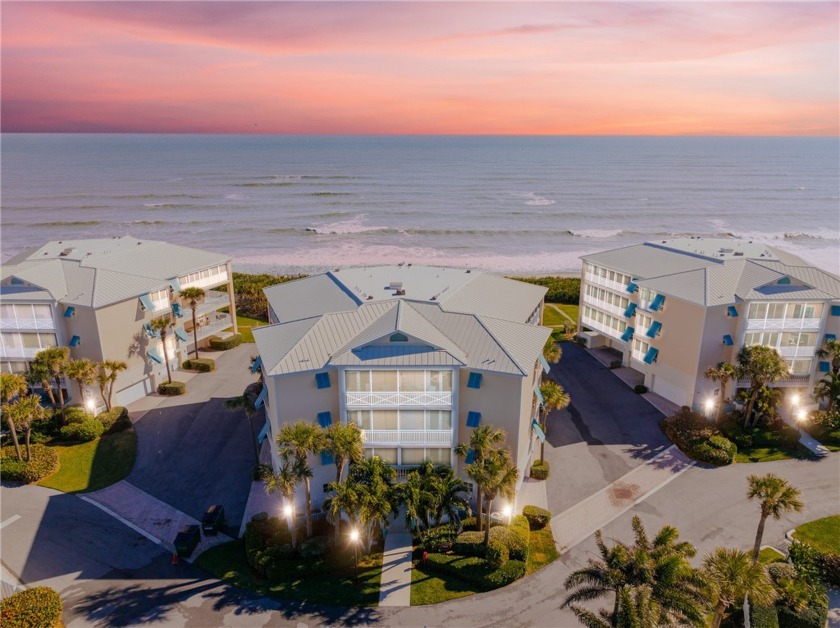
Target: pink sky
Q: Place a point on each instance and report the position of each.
(440, 68)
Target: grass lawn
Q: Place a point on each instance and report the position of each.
(824, 534)
(829, 438)
(766, 448)
(552, 318)
(91, 466)
(245, 325)
(227, 562)
(571, 310)
(769, 555)
(542, 550)
(430, 588)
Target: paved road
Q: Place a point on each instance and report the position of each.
(607, 430)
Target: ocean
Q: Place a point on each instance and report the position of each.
(519, 205)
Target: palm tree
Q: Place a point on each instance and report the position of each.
(415, 496)
(730, 576)
(286, 481)
(247, 403)
(828, 388)
(193, 294)
(39, 375)
(552, 351)
(345, 499)
(723, 373)
(832, 352)
(295, 442)
(373, 481)
(54, 360)
(162, 325)
(106, 376)
(777, 497)
(554, 398)
(23, 411)
(482, 440)
(447, 491)
(637, 608)
(81, 371)
(497, 474)
(763, 365)
(11, 386)
(344, 442)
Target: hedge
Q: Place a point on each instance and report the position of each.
(814, 564)
(83, 432)
(810, 617)
(540, 470)
(470, 523)
(172, 389)
(114, 420)
(520, 528)
(222, 344)
(74, 414)
(37, 607)
(315, 547)
(439, 539)
(44, 462)
(496, 553)
(475, 570)
(560, 289)
(764, 617)
(537, 517)
(472, 543)
(698, 438)
(201, 365)
(640, 389)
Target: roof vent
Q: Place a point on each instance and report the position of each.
(370, 296)
(395, 285)
(400, 293)
(434, 298)
(738, 254)
(65, 252)
(726, 250)
(468, 271)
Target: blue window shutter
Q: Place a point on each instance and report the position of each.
(539, 395)
(327, 458)
(732, 311)
(256, 365)
(657, 302)
(651, 355)
(261, 399)
(630, 311)
(825, 367)
(176, 310)
(154, 356)
(628, 334)
(830, 337)
(175, 285)
(835, 310)
(727, 340)
(324, 419)
(473, 419)
(75, 341)
(545, 366)
(264, 432)
(538, 430)
(146, 302)
(322, 380)
(474, 380)
(631, 287)
(783, 281)
(70, 311)
(653, 330)
(181, 334)
(398, 337)
(470, 457)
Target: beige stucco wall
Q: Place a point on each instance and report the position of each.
(712, 351)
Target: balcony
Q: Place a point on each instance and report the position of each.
(603, 328)
(407, 437)
(27, 324)
(615, 310)
(799, 379)
(218, 323)
(597, 280)
(785, 324)
(18, 352)
(213, 300)
(398, 399)
(206, 282)
(797, 352)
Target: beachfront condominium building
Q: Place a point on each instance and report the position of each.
(417, 356)
(673, 308)
(99, 297)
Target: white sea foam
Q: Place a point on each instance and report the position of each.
(596, 233)
(537, 201)
(346, 227)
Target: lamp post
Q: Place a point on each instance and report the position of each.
(507, 511)
(289, 512)
(354, 539)
(800, 417)
(91, 406)
(710, 406)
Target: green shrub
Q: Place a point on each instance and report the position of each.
(223, 344)
(264, 536)
(537, 517)
(511, 571)
(84, 432)
(315, 547)
(496, 553)
(469, 524)
(114, 420)
(640, 389)
(44, 462)
(439, 539)
(248, 292)
(560, 289)
(815, 565)
(764, 617)
(810, 617)
(201, 365)
(261, 473)
(742, 437)
(512, 540)
(74, 415)
(830, 565)
(476, 570)
(38, 607)
(539, 471)
(172, 389)
(469, 544)
(522, 529)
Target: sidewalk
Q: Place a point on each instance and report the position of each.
(806, 440)
(395, 588)
(596, 511)
(532, 493)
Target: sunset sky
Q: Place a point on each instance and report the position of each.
(708, 68)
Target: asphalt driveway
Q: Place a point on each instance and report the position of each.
(192, 451)
(606, 431)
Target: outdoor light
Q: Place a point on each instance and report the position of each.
(795, 400)
(507, 511)
(288, 511)
(710, 405)
(800, 417)
(354, 537)
(91, 406)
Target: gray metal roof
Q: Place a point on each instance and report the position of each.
(310, 296)
(14, 293)
(498, 297)
(102, 271)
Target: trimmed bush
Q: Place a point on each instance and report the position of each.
(114, 420)
(539, 471)
(477, 571)
(469, 544)
(44, 462)
(201, 365)
(439, 539)
(511, 571)
(496, 553)
(810, 617)
(537, 517)
(470, 524)
(261, 473)
(764, 617)
(172, 389)
(640, 389)
(38, 607)
(223, 344)
(517, 546)
(74, 415)
(83, 432)
(521, 529)
(315, 547)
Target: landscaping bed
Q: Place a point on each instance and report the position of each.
(823, 534)
(825, 428)
(93, 465)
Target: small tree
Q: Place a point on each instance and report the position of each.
(730, 576)
(762, 365)
(193, 294)
(552, 351)
(106, 376)
(295, 442)
(554, 398)
(373, 481)
(777, 497)
(344, 442)
(482, 440)
(285, 482)
(83, 372)
(828, 388)
(39, 375)
(723, 373)
(344, 499)
(54, 360)
(497, 474)
(23, 411)
(162, 325)
(11, 386)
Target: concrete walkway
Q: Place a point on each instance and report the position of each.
(806, 440)
(596, 511)
(395, 588)
(157, 521)
(532, 493)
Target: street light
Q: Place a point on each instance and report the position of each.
(507, 511)
(91, 406)
(710, 405)
(800, 418)
(354, 539)
(794, 400)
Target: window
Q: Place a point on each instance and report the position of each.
(384, 381)
(412, 381)
(324, 419)
(807, 310)
(398, 337)
(473, 419)
(357, 381)
(361, 418)
(384, 419)
(799, 367)
(438, 420)
(30, 341)
(439, 456)
(474, 380)
(412, 419)
(440, 381)
(758, 310)
(322, 380)
(644, 320)
(776, 310)
(327, 458)
(413, 455)
(388, 454)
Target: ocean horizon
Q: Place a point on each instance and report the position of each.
(520, 205)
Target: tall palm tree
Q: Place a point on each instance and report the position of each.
(552, 351)
(54, 360)
(162, 325)
(23, 411)
(247, 403)
(482, 440)
(637, 608)
(81, 371)
(39, 375)
(497, 474)
(193, 294)
(763, 365)
(106, 376)
(11, 386)
(828, 388)
(447, 493)
(344, 442)
(777, 497)
(295, 442)
(723, 373)
(373, 481)
(415, 496)
(730, 576)
(344, 499)
(554, 398)
(285, 482)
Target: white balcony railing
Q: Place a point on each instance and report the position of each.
(789, 380)
(161, 306)
(812, 324)
(206, 282)
(606, 283)
(638, 355)
(18, 352)
(212, 301)
(609, 331)
(797, 352)
(221, 322)
(398, 399)
(615, 310)
(27, 324)
(408, 437)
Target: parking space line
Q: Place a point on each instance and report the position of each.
(11, 519)
(107, 510)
